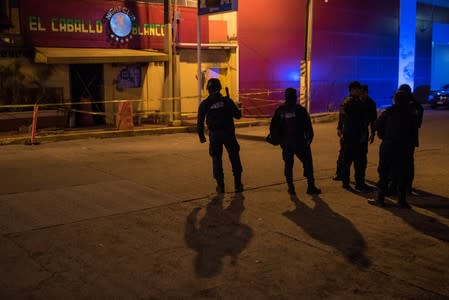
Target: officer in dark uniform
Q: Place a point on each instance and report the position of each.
(352, 129)
(371, 116)
(219, 112)
(417, 111)
(337, 176)
(397, 128)
(294, 128)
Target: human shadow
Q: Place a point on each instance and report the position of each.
(420, 222)
(437, 204)
(330, 228)
(219, 234)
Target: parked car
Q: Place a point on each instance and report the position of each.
(440, 97)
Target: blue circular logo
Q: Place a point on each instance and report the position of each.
(121, 24)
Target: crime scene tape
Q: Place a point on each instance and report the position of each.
(248, 97)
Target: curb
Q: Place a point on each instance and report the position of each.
(321, 117)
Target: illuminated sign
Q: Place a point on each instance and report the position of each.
(207, 7)
(120, 23)
(100, 24)
(35, 23)
(119, 28)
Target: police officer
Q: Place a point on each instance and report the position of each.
(352, 129)
(296, 134)
(396, 127)
(219, 112)
(417, 112)
(371, 116)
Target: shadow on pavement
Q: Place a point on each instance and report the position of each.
(425, 224)
(219, 234)
(428, 201)
(330, 228)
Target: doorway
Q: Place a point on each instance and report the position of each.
(87, 84)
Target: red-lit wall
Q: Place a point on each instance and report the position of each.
(351, 41)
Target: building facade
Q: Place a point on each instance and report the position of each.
(351, 40)
(105, 52)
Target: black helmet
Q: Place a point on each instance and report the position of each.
(290, 94)
(354, 85)
(213, 85)
(401, 98)
(405, 88)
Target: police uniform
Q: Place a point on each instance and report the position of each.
(352, 124)
(219, 112)
(370, 117)
(417, 112)
(337, 176)
(397, 128)
(296, 135)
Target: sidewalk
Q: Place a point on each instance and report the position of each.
(52, 135)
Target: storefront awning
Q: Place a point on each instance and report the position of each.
(95, 56)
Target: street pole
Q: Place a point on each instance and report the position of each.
(168, 47)
(198, 57)
(308, 51)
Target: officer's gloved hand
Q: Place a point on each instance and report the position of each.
(202, 139)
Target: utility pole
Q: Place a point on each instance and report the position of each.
(168, 103)
(308, 53)
(199, 74)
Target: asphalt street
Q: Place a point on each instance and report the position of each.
(137, 218)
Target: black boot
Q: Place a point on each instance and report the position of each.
(291, 187)
(380, 199)
(220, 186)
(238, 186)
(337, 177)
(312, 189)
(402, 202)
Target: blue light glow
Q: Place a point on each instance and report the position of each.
(440, 55)
(293, 76)
(407, 32)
